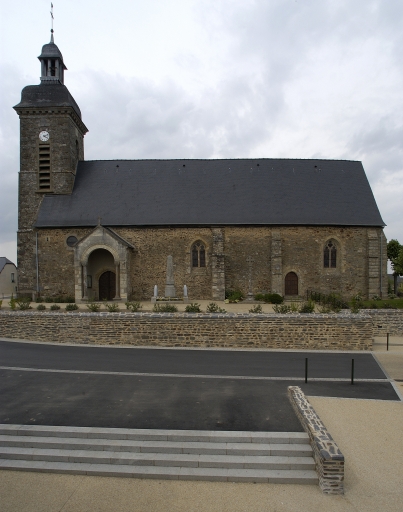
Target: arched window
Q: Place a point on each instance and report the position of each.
(198, 254)
(330, 255)
(291, 284)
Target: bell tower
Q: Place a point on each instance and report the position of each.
(52, 65)
(51, 144)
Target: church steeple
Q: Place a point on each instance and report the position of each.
(52, 65)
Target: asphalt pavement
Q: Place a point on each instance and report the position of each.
(173, 388)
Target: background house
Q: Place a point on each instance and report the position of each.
(8, 278)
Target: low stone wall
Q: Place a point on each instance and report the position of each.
(296, 331)
(386, 321)
(328, 458)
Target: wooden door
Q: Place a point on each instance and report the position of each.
(107, 286)
(291, 284)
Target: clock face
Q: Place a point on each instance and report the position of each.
(44, 136)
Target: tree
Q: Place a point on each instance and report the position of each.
(395, 255)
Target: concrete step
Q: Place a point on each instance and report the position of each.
(161, 472)
(177, 454)
(156, 435)
(219, 448)
(157, 459)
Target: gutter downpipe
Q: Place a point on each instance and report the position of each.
(37, 264)
(381, 260)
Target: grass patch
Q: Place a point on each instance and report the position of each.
(383, 304)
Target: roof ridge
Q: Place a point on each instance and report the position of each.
(217, 159)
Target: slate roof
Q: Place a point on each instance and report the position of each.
(3, 262)
(51, 51)
(208, 192)
(47, 95)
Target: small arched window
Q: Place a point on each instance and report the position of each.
(198, 254)
(330, 255)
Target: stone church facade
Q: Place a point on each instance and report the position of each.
(104, 229)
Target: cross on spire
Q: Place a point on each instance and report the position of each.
(51, 21)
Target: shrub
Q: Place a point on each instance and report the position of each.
(356, 305)
(275, 298)
(112, 308)
(54, 307)
(133, 306)
(70, 300)
(1, 302)
(256, 309)
(332, 300)
(49, 299)
(234, 296)
(376, 297)
(193, 308)
(307, 307)
(214, 308)
(259, 296)
(41, 307)
(23, 303)
(71, 307)
(165, 308)
(94, 307)
(13, 302)
(39, 300)
(282, 309)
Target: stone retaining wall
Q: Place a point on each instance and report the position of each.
(386, 321)
(328, 458)
(319, 331)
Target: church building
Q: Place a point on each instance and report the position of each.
(103, 229)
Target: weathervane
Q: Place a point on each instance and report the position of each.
(51, 16)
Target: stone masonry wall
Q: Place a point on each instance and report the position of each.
(328, 458)
(235, 257)
(350, 332)
(386, 321)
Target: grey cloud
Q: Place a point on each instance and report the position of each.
(132, 118)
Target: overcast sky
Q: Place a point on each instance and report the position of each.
(217, 79)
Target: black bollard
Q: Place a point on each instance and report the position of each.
(352, 371)
(306, 370)
(387, 341)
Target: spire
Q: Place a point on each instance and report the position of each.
(52, 65)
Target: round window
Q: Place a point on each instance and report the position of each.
(71, 241)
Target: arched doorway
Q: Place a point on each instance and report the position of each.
(107, 286)
(291, 284)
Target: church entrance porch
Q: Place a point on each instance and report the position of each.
(101, 275)
(102, 261)
(107, 286)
